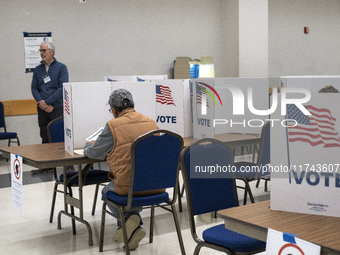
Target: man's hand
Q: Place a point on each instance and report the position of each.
(49, 109)
(43, 106)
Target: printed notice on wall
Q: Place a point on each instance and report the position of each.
(32, 43)
(16, 181)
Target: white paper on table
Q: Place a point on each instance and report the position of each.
(95, 135)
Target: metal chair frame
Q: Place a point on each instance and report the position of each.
(130, 198)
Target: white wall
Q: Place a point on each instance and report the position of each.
(230, 39)
(127, 37)
(291, 52)
(253, 38)
(121, 37)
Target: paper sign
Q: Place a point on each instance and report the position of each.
(279, 243)
(16, 181)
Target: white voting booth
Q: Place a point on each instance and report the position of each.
(115, 78)
(173, 107)
(305, 163)
(220, 105)
(311, 82)
(86, 107)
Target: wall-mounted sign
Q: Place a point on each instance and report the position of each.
(32, 43)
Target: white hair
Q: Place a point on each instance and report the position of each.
(50, 45)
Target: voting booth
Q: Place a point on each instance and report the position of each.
(312, 83)
(115, 78)
(305, 149)
(86, 107)
(228, 105)
(173, 105)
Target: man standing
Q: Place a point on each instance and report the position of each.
(114, 145)
(47, 87)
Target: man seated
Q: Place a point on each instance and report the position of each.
(114, 145)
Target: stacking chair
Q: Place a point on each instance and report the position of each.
(154, 165)
(55, 132)
(255, 171)
(206, 194)
(4, 135)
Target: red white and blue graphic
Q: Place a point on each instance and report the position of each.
(317, 129)
(163, 95)
(67, 102)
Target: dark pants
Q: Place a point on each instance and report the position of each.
(44, 118)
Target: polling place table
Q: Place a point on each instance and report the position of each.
(254, 220)
(51, 155)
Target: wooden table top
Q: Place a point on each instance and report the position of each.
(233, 139)
(46, 155)
(318, 229)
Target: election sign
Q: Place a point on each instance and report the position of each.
(32, 43)
(279, 243)
(16, 181)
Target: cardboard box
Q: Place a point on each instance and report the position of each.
(182, 68)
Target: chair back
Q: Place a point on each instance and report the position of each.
(155, 160)
(55, 130)
(207, 194)
(2, 116)
(264, 150)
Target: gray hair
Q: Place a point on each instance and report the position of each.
(50, 45)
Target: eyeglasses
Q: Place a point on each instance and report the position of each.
(43, 50)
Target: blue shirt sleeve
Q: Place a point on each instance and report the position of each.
(102, 146)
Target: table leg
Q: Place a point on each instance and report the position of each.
(73, 202)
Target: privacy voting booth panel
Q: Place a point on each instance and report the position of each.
(312, 83)
(173, 106)
(86, 107)
(305, 176)
(115, 78)
(225, 102)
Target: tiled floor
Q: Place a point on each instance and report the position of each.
(29, 231)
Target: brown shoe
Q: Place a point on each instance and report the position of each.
(132, 224)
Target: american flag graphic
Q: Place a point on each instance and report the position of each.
(163, 95)
(67, 102)
(315, 129)
(199, 94)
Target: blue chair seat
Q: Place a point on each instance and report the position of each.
(138, 201)
(8, 135)
(92, 177)
(221, 236)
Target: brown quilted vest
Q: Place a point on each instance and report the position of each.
(125, 129)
